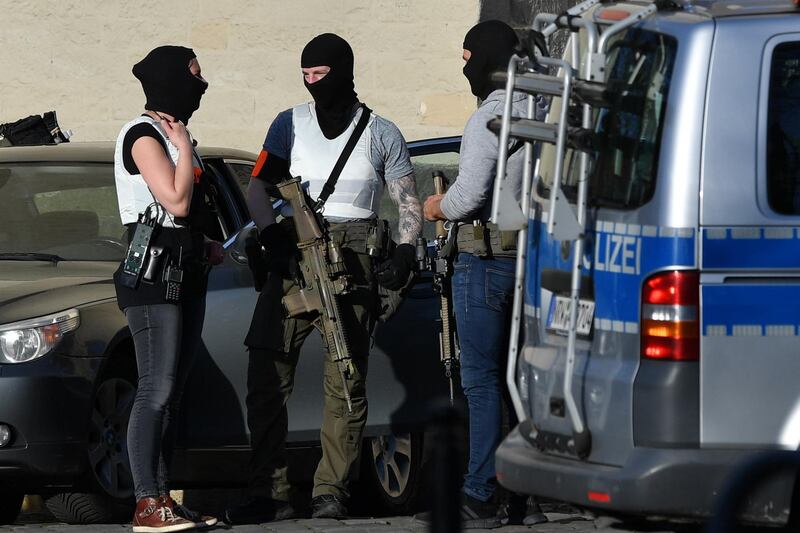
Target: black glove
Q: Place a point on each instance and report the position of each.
(256, 262)
(281, 250)
(393, 273)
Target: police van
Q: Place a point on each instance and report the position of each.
(659, 273)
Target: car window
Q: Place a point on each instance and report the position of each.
(242, 173)
(783, 130)
(69, 210)
(228, 193)
(101, 200)
(424, 167)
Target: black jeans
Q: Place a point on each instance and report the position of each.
(166, 338)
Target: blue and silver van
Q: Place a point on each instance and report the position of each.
(659, 283)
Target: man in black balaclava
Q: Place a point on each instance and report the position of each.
(334, 94)
(486, 259)
(306, 141)
(490, 45)
(167, 82)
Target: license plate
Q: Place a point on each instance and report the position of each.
(558, 319)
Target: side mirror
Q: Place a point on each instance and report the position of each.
(237, 243)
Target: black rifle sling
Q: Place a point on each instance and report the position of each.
(330, 185)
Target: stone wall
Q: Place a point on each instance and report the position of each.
(75, 56)
(520, 13)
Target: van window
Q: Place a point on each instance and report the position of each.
(623, 170)
(783, 130)
(629, 129)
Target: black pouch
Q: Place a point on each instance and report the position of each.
(154, 266)
(136, 257)
(32, 131)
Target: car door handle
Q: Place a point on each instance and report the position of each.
(239, 257)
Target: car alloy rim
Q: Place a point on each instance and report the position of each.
(108, 448)
(392, 459)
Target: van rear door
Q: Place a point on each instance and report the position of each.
(629, 237)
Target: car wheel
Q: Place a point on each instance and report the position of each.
(108, 461)
(391, 475)
(10, 505)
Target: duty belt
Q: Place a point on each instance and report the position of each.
(483, 239)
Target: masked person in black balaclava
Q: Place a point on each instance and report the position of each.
(334, 94)
(485, 259)
(306, 141)
(154, 169)
(490, 45)
(169, 87)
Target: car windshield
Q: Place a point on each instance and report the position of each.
(64, 210)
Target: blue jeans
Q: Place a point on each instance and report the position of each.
(482, 298)
(166, 338)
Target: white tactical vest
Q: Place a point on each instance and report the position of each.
(357, 195)
(133, 195)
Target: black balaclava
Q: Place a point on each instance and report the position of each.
(168, 83)
(334, 95)
(491, 44)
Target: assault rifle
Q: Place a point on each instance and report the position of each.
(324, 278)
(441, 265)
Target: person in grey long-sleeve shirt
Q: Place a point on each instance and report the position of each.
(470, 197)
(482, 283)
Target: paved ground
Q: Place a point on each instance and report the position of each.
(562, 520)
(559, 523)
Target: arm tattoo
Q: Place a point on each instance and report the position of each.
(403, 192)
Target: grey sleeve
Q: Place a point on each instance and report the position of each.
(389, 152)
(476, 170)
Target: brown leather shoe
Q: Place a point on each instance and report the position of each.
(200, 520)
(152, 516)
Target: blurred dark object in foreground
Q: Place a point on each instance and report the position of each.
(447, 455)
(34, 130)
(746, 478)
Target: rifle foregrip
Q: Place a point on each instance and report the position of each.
(336, 334)
(339, 348)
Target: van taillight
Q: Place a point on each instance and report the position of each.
(670, 316)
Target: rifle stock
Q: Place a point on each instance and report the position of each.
(324, 279)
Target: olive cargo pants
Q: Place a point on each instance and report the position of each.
(275, 342)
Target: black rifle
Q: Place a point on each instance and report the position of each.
(441, 265)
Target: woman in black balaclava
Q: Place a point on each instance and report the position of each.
(169, 83)
(491, 45)
(155, 167)
(334, 95)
